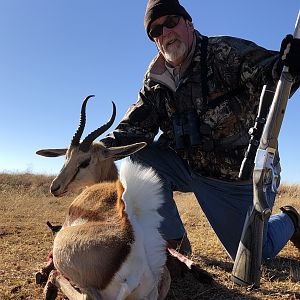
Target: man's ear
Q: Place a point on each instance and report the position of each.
(190, 24)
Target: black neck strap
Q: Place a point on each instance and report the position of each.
(204, 44)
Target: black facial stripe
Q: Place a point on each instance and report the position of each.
(85, 163)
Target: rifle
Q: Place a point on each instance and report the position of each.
(247, 264)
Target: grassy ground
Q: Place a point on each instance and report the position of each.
(25, 206)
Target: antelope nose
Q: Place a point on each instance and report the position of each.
(54, 188)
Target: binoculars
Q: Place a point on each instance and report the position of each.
(186, 129)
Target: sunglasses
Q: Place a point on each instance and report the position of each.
(170, 22)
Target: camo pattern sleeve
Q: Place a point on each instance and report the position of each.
(139, 124)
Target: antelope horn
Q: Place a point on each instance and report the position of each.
(86, 143)
(76, 138)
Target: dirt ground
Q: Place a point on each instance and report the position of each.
(25, 240)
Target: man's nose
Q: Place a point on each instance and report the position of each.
(166, 31)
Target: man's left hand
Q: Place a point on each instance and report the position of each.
(290, 54)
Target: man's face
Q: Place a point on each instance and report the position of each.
(174, 43)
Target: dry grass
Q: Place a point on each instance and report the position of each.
(26, 205)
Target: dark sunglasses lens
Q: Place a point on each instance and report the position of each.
(170, 22)
(156, 31)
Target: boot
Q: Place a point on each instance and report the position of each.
(295, 217)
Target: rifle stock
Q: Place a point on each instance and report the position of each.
(246, 269)
(247, 265)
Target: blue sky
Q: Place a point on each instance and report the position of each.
(54, 53)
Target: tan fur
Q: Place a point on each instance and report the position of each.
(120, 202)
(101, 245)
(107, 168)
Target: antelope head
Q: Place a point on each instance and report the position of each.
(87, 162)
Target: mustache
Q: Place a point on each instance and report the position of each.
(167, 40)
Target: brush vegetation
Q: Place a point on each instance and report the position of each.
(25, 240)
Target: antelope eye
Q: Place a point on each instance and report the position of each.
(85, 163)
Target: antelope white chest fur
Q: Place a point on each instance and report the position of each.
(109, 246)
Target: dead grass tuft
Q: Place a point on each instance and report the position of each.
(289, 191)
(25, 183)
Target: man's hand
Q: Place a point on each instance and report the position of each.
(290, 54)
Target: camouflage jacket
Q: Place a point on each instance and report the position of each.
(236, 71)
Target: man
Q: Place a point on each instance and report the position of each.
(203, 94)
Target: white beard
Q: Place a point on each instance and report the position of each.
(174, 51)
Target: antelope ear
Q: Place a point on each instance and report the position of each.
(51, 152)
(124, 151)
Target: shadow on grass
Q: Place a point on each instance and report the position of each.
(279, 269)
(188, 288)
(223, 265)
(282, 269)
(276, 269)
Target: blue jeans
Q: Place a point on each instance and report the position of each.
(225, 204)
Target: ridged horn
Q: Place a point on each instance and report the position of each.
(77, 136)
(86, 143)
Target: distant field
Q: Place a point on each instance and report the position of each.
(26, 205)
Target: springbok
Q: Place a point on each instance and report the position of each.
(109, 246)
